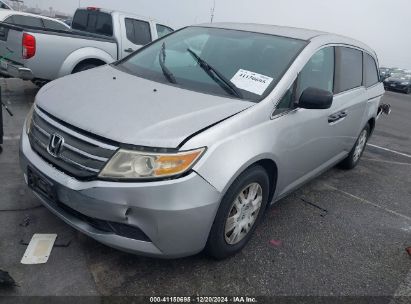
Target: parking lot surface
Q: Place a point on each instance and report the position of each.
(344, 233)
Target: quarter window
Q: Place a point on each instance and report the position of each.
(348, 70)
(287, 101)
(163, 30)
(318, 72)
(370, 71)
(9, 20)
(137, 31)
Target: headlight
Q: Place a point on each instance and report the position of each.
(129, 164)
(29, 119)
(405, 83)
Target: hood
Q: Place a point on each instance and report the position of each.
(399, 79)
(132, 110)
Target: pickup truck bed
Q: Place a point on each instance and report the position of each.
(55, 55)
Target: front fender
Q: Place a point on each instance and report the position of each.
(226, 160)
(83, 54)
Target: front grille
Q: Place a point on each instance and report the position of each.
(80, 156)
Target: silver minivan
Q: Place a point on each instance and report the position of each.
(184, 144)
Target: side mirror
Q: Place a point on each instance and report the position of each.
(313, 98)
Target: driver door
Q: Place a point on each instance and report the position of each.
(309, 142)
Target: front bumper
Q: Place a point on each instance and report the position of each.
(11, 69)
(175, 215)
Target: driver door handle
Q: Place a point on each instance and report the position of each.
(337, 117)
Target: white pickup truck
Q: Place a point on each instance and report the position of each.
(97, 37)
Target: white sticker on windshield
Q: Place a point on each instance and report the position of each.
(251, 82)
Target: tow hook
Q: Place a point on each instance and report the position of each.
(384, 109)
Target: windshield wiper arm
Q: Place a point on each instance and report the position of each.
(162, 59)
(219, 78)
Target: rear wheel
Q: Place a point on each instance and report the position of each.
(353, 158)
(240, 211)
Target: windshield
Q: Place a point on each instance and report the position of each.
(224, 62)
(401, 76)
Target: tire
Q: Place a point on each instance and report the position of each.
(354, 157)
(408, 90)
(84, 67)
(223, 242)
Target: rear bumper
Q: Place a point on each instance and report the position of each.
(175, 215)
(11, 69)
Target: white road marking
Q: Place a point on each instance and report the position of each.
(386, 161)
(389, 150)
(10, 138)
(370, 203)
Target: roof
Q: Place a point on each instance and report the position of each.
(127, 14)
(292, 32)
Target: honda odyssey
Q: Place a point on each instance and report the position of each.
(183, 145)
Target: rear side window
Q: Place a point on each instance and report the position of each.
(138, 32)
(53, 25)
(93, 22)
(348, 72)
(370, 71)
(163, 30)
(104, 24)
(318, 72)
(27, 21)
(80, 20)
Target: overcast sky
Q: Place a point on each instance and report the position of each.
(382, 24)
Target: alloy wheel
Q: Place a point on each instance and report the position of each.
(359, 148)
(243, 213)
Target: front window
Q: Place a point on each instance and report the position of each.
(224, 62)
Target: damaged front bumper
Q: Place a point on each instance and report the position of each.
(166, 219)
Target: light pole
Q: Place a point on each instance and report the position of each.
(212, 11)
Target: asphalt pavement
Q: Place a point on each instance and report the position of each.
(343, 234)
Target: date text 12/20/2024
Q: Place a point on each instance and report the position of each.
(199, 299)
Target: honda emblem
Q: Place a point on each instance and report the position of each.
(55, 145)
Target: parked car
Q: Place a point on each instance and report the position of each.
(385, 73)
(5, 6)
(399, 82)
(26, 19)
(182, 147)
(98, 37)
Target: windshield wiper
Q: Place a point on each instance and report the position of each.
(162, 59)
(220, 79)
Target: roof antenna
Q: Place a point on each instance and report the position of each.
(212, 12)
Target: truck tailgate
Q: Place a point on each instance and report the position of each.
(11, 43)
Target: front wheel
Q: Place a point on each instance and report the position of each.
(241, 209)
(353, 158)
